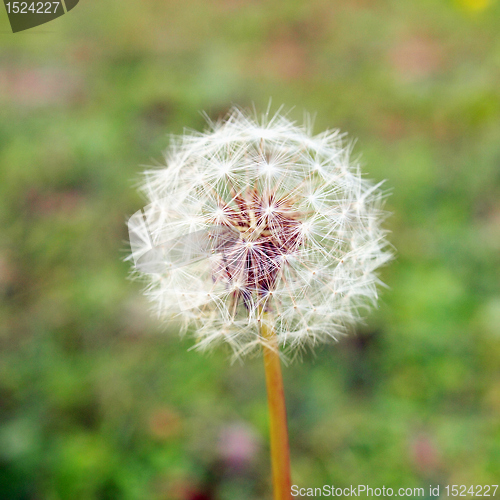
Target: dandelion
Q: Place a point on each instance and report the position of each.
(260, 234)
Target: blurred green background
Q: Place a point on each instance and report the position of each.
(97, 400)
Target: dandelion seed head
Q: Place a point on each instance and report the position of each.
(260, 216)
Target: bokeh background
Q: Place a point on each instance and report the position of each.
(97, 400)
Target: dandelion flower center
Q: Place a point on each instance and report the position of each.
(269, 229)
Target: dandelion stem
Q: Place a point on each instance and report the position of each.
(280, 450)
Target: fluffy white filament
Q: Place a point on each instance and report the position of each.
(302, 236)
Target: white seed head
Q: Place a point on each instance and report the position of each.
(254, 216)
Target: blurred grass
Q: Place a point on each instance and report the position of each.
(96, 400)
